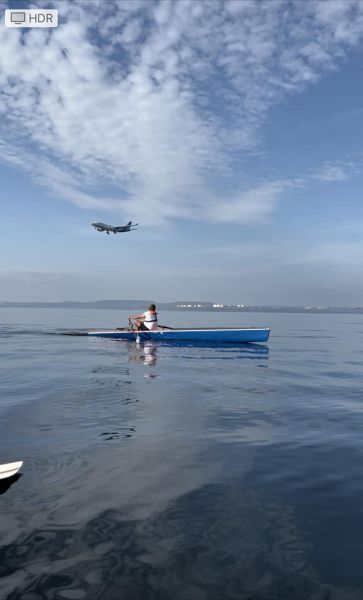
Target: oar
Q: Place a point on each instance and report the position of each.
(10, 469)
(134, 331)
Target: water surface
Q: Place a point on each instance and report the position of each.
(169, 472)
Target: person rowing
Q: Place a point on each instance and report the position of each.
(147, 320)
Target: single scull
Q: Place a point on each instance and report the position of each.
(219, 335)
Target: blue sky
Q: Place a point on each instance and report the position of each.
(231, 131)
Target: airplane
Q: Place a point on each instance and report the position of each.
(120, 229)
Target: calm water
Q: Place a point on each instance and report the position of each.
(181, 473)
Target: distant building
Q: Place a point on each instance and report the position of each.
(189, 305)
(208, 305)
(216, 305)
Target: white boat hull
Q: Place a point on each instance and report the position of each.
(10, 469)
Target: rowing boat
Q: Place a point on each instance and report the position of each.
(10, 469)
(219, 335)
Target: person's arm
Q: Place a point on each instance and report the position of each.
(137, 317)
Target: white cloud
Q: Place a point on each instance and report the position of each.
(156, 98)
(331, 172)
(254, 205)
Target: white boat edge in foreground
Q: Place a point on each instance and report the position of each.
(10, 469)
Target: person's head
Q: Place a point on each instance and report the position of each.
(152, 307)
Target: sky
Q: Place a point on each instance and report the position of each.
(231, 131)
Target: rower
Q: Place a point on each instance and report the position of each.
(147, 320)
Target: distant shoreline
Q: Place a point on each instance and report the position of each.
(172, 306)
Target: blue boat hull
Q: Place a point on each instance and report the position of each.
(220, 336)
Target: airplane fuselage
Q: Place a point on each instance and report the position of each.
(114, 229)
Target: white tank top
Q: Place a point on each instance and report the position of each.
(150, 317)
(150, 320)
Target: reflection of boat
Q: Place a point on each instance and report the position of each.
(223, 335)
(145, 352)
(150, 355)
(10, 469)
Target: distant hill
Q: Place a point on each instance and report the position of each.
(107, 304)
(184, 305)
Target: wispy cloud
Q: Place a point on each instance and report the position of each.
(253, 205)
(157, 98)
(332, 172)
(337, 255)
(343, 170)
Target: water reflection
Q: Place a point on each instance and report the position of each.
(7, 483)
(228, 351)
(219, 541)
(117, 434)
(145, 353)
